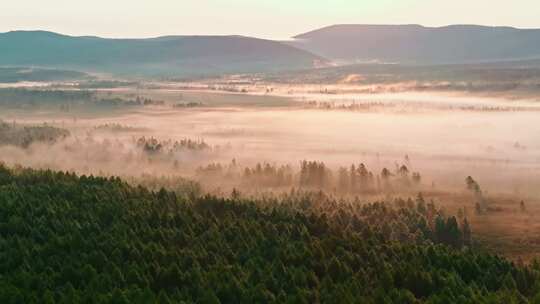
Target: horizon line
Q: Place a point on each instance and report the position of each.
(256, 37)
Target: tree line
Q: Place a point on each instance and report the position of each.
(24, 135)
(67, 100)
(314, 175)
(153, 145)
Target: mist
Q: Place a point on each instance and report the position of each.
(444, 137)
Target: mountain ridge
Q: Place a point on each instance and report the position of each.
(411, 25)
(159, 56)
(413, 43)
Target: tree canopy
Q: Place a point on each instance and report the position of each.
(83, 239)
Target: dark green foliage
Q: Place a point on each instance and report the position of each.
(34, 97)
(17, 74)
(69, 239)
(65, 100)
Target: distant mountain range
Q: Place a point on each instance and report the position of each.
(201, 56)
(164, 56)
(416, 44)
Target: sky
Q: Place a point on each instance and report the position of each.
(272, 19)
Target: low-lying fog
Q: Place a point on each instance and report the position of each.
(446, 138)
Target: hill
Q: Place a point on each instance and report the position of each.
(421, 45)
(163, 56)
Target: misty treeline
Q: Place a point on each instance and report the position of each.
(71, 239)
(379, 106)
(314, 175)
(24, 135)
(194, 159)
(107, 84)
(13, 96)
(359, 79)
(153, 145)
(117, 128)
(104, 150)
(20, 74)
(191, 104)
(482, 203)
(67, 100)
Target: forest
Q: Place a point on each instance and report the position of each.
(22, 136)
(67, 100)
(84, 239)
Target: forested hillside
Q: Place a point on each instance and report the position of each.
(421, 45)
(71, 239)
(169, 56)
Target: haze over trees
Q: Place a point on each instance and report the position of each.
(18, 74)
(23, 136)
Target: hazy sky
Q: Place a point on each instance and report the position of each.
(276, 19)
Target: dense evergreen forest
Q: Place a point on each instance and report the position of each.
(71, 239)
